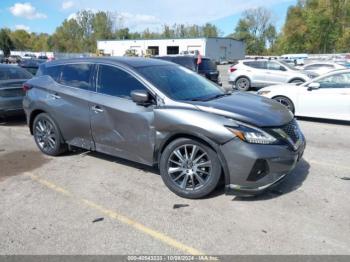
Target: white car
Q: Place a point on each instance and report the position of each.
(327, 96)
(322, 68)
(247, 74)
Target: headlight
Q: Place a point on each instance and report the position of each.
(262, 93)
(252, 134)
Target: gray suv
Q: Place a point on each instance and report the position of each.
(161, 114)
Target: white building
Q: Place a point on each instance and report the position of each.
(217, 48)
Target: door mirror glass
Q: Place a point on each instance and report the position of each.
(313, 86)
(140, 97)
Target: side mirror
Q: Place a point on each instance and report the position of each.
(283, 68)
(313, 86)
(140, 97)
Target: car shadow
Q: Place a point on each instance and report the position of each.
(291, 183)
(19, 120)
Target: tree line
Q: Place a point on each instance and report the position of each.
(311, 26)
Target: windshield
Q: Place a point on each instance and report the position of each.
(180, 83)
(207, 65)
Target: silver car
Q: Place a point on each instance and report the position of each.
(247, 74)
(321, 68)
(161, 114)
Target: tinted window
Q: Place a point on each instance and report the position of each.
(207, 65)
(115, 82)
(76, 75)
(336, 81)
(180, 83)
(273, 66)
(53, 71)
(256, 64)
(187, 62)
(8, 73)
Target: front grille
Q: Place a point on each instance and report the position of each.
(292, 130)
(289, 133)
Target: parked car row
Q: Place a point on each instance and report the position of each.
(319, 89)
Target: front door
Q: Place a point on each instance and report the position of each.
(275, 73)
(331, 100)
(119, 126)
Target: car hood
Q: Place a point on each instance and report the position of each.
(248, 108)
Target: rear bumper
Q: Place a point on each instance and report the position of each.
(255, 168)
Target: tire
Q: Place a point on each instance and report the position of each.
(194, 176)
(242, 84)
(286, 102)
(297, 81)
(47, 135)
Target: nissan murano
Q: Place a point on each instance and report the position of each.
(161, 114)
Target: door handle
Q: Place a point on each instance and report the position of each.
(55, 96)
(97, 109)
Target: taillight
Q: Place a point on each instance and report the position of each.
(26, 87)
(232, 69)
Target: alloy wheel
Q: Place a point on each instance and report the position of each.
(285, 102)
(189, 167)
(45, 135)
(243, 84)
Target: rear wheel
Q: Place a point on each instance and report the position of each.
(189, 168)
(47, 135)
(243, 84)
(286, 102)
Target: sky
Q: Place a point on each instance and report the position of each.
(46, 15)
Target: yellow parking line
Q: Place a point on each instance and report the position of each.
(119, 217)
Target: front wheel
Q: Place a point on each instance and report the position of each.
(286, 102)
(47, 135)
(189, 168)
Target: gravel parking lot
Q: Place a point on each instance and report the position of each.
(89, 203)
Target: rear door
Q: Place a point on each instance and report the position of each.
(257, 71)
(119, 126)
(331, 100)
(68, 99)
